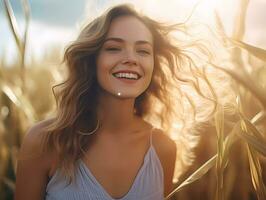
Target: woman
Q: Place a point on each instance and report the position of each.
(101, 144)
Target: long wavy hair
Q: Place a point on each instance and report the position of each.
(76, 97)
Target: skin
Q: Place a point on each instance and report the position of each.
(122, 134)
(126, 49)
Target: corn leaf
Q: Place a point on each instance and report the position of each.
(258, 145)
(196, 175)
(220, 27)
(253, 130)
(251, 135)
(9, 183)
(20, 101)
(229, 140)
(255, 51)
(256, 174)
(254, 88)
(219, 125)
(13, 23)
(258, 118)
(239, 24)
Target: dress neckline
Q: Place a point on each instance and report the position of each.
(139, 173)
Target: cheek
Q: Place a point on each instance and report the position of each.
(102, 65)
(106, 62)
(101, 69)
(149, 67)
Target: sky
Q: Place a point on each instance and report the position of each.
(56, 23)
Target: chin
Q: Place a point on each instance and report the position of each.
(124, 93)
(127, 95)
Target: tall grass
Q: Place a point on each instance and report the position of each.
(230, 159)
(19, 108)
(249, 121)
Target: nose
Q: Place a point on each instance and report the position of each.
(130, 58)
(129, 62)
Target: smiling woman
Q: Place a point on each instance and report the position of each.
(125, 61)
(102, 144)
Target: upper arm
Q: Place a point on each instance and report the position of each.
(32, 166)
(167, 154)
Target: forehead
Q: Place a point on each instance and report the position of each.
(129, 28)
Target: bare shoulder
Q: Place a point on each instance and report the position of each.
(166, 150)
(163, 143)
(32, 141)
(33, 165)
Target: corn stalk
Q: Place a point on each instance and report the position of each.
(21, 39)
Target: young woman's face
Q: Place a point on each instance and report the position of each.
(125, 61)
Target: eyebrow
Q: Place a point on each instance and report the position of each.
(122, 41)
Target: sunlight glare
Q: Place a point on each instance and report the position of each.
(203, 8)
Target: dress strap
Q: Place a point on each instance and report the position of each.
(151, 133)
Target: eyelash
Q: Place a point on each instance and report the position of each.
(144, 51)
(118, 49)
(113, 49)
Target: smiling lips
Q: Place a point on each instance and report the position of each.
(127, 74)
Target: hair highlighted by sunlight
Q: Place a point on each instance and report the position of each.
(77, 96)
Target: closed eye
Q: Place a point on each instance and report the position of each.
(112, 49)
(143, 51)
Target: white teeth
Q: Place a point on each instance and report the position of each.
(126, 75)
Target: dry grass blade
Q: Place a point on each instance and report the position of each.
(259, 117)
(220, 27)
(14, 156)
(254, 163)
(26, 9)
(252, 136)
(255, 51)
(239, 24)
(240, 110)
(258, 145)
(21, 41)
(195, 176)
(13, 23)
(219, 125)
(253, 130)
(229, 140)
(256, 174)
(19, 101)
(10, 94)
(9, 183)
(254, 88)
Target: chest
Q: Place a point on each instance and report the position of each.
(116, 171)
(116, 168)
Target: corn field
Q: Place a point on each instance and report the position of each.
(230, 158)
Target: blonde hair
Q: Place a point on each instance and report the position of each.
(77, 96)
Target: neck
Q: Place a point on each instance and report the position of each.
(116, 114)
